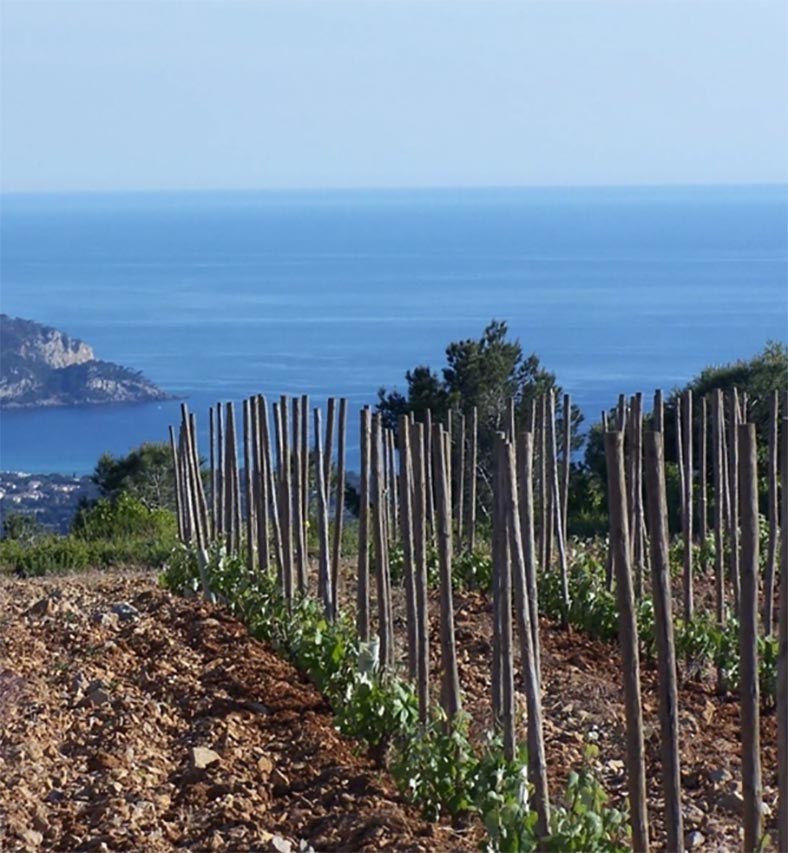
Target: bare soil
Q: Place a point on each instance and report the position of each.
(172, 729)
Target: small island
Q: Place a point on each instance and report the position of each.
(41, 366)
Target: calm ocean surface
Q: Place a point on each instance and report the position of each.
(219, 295)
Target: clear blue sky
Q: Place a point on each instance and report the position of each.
(159, 94)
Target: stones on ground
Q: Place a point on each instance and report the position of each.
(277, 844)
(202, 757)
(32, 838)
(719, 776)
(126, 612)
(43, 607)
(694, 839)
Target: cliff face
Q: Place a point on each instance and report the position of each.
(41, 366)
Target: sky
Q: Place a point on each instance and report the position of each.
(196, 94)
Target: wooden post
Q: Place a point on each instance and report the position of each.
(305, 467)
(297, 507)
(214, 473)
(420, 570)
(406, 530)
(718, 455)
(472, 461)
(286, 501)
(273, 502)
(541, 418)
(503, 606)
(262, 462)
(201, 502)
(339, 502)
(328, 450)
(748, 639)
(324, 565)
(228, 478)
(220, 487)
(703, 463)
(550, 473)
(628, 636)
(428, 471)
(188, 506)
(362, 590)
(733, 486)
(450, 688)
(782, 661)
(680, 461)
(567, 463)
(555, 502)
(251, 521)
(658, 415)
(460, 482)
(666, 652)
(689, 602)
(527, 625)
(637, 513)
(176, 468)
(385, 627)
(525, 461)
(771, 554)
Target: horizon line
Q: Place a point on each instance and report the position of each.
(394, 188)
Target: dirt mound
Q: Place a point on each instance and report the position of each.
(134, 720)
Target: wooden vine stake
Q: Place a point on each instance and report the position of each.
(771, 555)
(220, 449)
(406, 536)
(214, 472)
(362, 588)
(689, 601)
(262, 497)
(628, 636)
(502, 601)
(251, 521)
(460, 482)
(297, 508)
(748, 649)
(379, 522)
(555, 501)
(176, 468)
(339, 502)
(718, 456)
(305, 461)
(521, 543)
(273, 501)
(566, 461)
(733, 486)
(703, 468)
(324, 567)
(450, 687)
(286, 500)
(666, 651)
(473, 450)
(420, 570)
(525, 504)
(782, 660)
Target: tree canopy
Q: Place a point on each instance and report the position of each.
(145, 473)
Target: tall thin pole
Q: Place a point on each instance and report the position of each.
(450, 688)
(339, 502)
(666, 652)
(628, 636)
(748, 639)
(362, 602)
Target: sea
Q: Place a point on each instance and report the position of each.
(218, 295)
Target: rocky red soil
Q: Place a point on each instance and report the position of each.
(134, 720)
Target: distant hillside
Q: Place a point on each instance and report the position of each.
(41, 366)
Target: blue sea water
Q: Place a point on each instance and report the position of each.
(215, 296)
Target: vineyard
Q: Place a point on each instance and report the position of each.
(469, 643)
